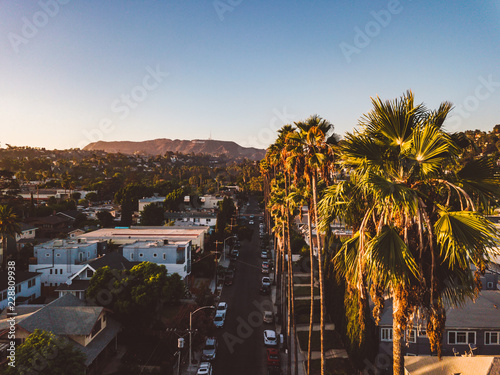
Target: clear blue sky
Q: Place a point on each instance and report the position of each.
(237, 70)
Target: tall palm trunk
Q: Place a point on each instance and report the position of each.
(397, 337)
(311, 316)
(291, 294)
(320, 274)
(289, 300)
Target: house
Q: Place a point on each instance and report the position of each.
(28, 232)
(175, 256)
(89, 328)
(475, 326)
(57, 260)
(210, 201)
(151, 200)
(124, 236)
(477, 365)
(50, 226)
(192, 218)
(78, 283)
(26, 287)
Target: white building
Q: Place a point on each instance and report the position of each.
(27, 232)
(124, 236)
(210, 201)
(57, 260)
(151, 200)
(175, 256)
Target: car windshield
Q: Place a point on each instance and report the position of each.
(218, 318)
(210, 347)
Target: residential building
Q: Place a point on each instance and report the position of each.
(175, 256)
(50, 226)
(124, 236)
(210, 201)
(57, 260)
(475, 326)
(28, 232)
(151, 200)
(27, 288)
(208, 219)
(89, 328)
(78, 283)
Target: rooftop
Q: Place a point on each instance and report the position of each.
(20, 277)
(477, 365)
(146, 232)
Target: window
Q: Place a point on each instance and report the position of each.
(164, 256)
(58, 255)
(490, 285)
(411, 336)
(47, 255)
(141, 255)
(90, 273)
(386, 334)
(208, 220)
(50, 271)
(492, 338)
(422, 332)
(131, 256)
(155, 255)
(461, 337)
(61, 271)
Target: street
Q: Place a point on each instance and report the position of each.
(241, 346)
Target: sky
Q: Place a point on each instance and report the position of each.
(73, 72)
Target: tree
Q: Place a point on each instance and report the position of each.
(420, 229)
(106, 219)
(48, 355)
(308, 146)
(9, 227)
(152, 215)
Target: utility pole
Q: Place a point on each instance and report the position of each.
(216, 261)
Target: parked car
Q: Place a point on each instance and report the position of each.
(268, 317)
(263, 254)
(265, 267)
(210, 349)
(251, 222)
(221, 308)
(235, 254)
(270, 338)
(266, 281)
(205, 369)
(219, 319)
(229, 277)
(273, 357)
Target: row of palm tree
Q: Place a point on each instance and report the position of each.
(417, 212)
(9, 227)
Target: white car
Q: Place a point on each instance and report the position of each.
(263, 254)
(219, 319)
(221, 308)
(250, 222)
(205, 369)
(266, 281)
(270, 338)
(268, 317)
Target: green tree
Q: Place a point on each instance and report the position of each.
(420, 230)
(9, 227)
(152, 215)
(45, 354)
(106, 219)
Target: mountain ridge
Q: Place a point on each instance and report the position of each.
(160, 146)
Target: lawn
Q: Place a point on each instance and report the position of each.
(332, 340)
(334, 366)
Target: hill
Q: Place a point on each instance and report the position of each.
(161, 146)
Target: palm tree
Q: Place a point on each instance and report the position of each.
(418, 229)
(8, 227)
(309, 144)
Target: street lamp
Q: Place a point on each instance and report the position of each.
(191, 330)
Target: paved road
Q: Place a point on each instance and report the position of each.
(241, 345)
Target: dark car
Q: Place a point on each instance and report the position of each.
(229, 277)
(273, 357)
